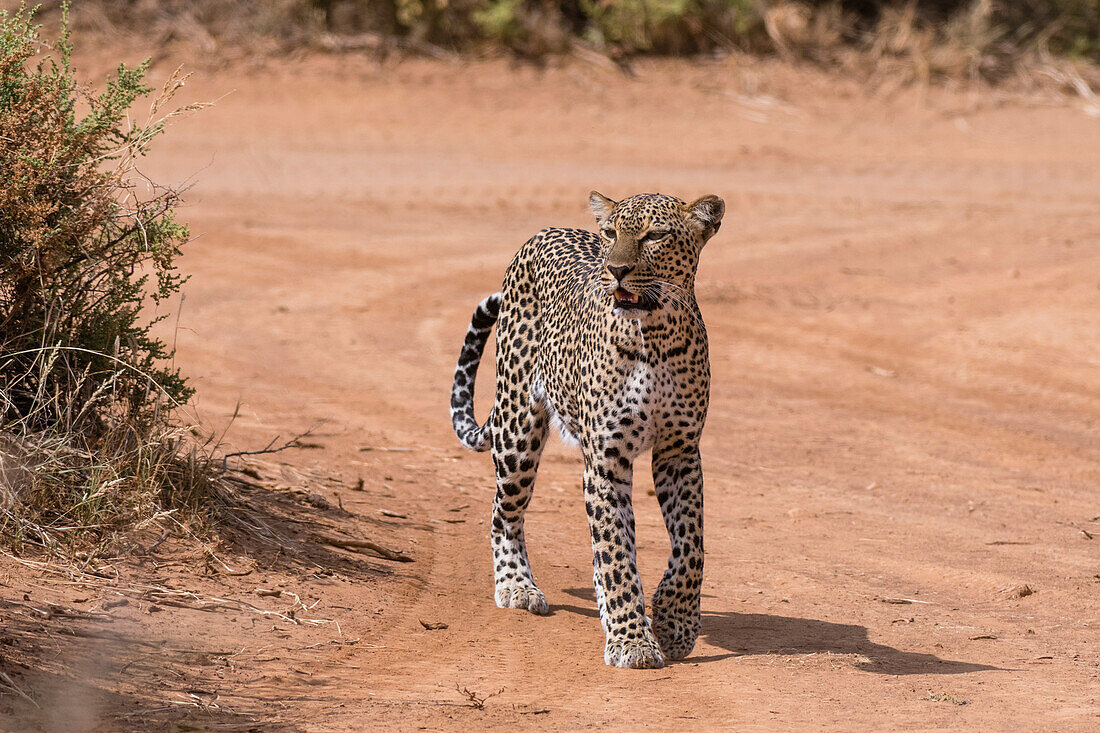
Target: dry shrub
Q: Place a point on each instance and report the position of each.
(800, 30)
(965, 45)
(89, 446)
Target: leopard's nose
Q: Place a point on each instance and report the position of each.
(619, 271)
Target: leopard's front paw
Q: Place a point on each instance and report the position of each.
(514, 596)
(675, 630)
(643, 653)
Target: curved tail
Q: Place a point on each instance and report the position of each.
(473, 436)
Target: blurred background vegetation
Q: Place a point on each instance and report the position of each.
(980, 39)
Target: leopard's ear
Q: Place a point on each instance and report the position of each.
(601, 206)
(705, 215)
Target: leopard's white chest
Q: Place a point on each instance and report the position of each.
(647, 391)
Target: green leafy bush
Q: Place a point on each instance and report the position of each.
(86, 390)
(672, 26)
(78, 241)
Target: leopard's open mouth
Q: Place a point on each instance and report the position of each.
(629, 301)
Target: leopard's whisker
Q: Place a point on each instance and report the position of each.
(679, 296)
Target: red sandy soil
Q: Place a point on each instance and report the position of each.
(904, 429)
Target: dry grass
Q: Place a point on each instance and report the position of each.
(78, 493)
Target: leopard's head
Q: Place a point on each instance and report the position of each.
(651, 245)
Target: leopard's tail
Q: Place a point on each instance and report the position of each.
(473, 436)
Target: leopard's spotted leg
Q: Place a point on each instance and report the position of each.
(607, 488)
(517, 446)
(678, 481)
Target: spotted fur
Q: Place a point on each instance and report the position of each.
(600, 334)
(470, 434)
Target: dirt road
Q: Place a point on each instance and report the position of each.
(905, 419)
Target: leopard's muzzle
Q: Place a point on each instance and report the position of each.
(631, 305)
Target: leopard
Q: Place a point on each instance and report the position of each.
(599, 336)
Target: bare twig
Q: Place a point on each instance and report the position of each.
(54, 611)
(356, 544)
(293, 442)
(476, 699)
(10, 684)
(198, 602)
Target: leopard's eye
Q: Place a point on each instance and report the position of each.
(609, 233)
(655, 236)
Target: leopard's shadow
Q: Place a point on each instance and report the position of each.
(745, 634)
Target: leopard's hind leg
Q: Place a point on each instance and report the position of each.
(519, 436)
